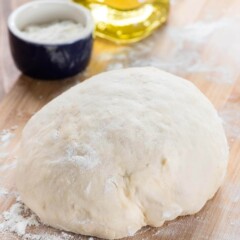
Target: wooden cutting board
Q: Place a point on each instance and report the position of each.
(200, 43)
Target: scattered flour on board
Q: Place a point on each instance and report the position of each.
(17, 219)
(4, 154)
(231, 119)
(236, 199)
(7, 166)
(5, 136)
(173, 2)
(232, 192)
(185, 46)
(3, 191)
(44, 236)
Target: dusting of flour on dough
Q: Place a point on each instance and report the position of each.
(83, 155)
(110, 184)
(88, 188)
(56, 134)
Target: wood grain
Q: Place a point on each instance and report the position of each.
(220, 218)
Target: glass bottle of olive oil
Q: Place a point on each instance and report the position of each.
(125, 21)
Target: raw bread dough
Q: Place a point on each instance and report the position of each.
(122, 150)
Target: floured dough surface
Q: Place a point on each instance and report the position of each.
(122, 150)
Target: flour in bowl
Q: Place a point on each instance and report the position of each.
(53, 32)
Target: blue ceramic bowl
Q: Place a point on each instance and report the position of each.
(49, 60)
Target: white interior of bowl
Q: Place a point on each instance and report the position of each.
(44, 11)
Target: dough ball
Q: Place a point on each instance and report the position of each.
(120, 151)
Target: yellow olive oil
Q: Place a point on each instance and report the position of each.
(125, 21)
